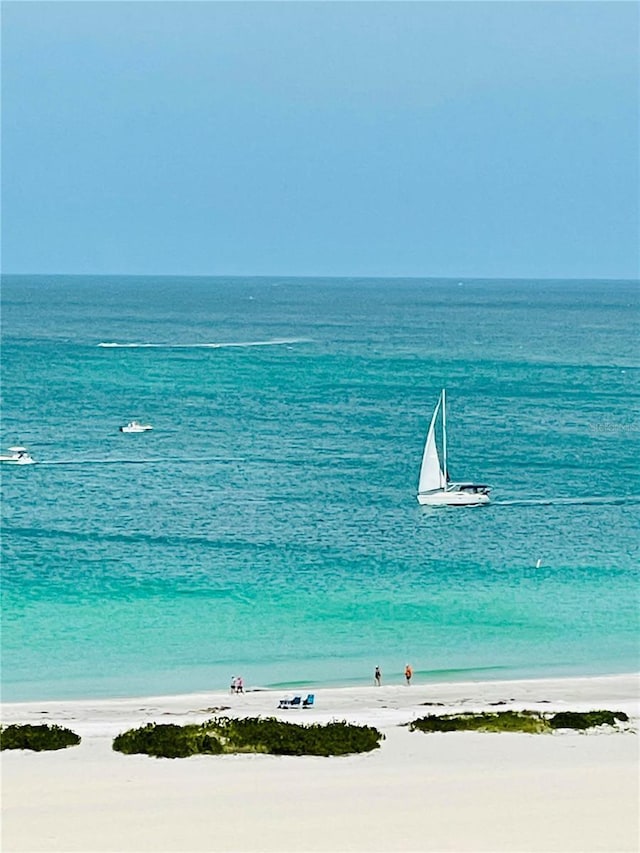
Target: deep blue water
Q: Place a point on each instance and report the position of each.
(268, 526)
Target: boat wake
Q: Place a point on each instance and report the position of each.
(157, 461)
(588, 501)
(269, 343)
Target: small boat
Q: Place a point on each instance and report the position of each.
(135, 426)
(434, 486)
(18, 456)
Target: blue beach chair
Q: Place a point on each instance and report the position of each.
(308, 702)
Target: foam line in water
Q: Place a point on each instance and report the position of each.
(269, 343)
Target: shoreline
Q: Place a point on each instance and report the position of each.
(463, 792)
(382, 706)
(9, 696)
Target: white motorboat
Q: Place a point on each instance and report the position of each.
(18, 456)
(135, 426)
(434, 486)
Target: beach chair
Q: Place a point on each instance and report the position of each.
(291, 703)
(308, 702)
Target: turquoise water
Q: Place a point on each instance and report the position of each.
(268, 525)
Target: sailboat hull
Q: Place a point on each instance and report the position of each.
(452, 499)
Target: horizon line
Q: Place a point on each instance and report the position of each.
(307, 276)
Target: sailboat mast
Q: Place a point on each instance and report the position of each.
(444, 436)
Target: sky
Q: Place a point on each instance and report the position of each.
(478, 139)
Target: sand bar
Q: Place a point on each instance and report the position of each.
(438, 792)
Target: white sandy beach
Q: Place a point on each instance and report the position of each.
(418, 792)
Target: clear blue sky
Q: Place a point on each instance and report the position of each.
(304, 138)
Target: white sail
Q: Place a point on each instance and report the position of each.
(431, 476)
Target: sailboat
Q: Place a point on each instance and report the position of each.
(434, 486)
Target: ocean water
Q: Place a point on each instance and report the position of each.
(268, 526)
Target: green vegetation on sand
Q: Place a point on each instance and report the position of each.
(252, 734)
(37, 738)
(530, 722)
(586, 719)
(498, 721)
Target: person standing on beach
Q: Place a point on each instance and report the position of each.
(377, 676)
(408, 672)
(233, 684)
